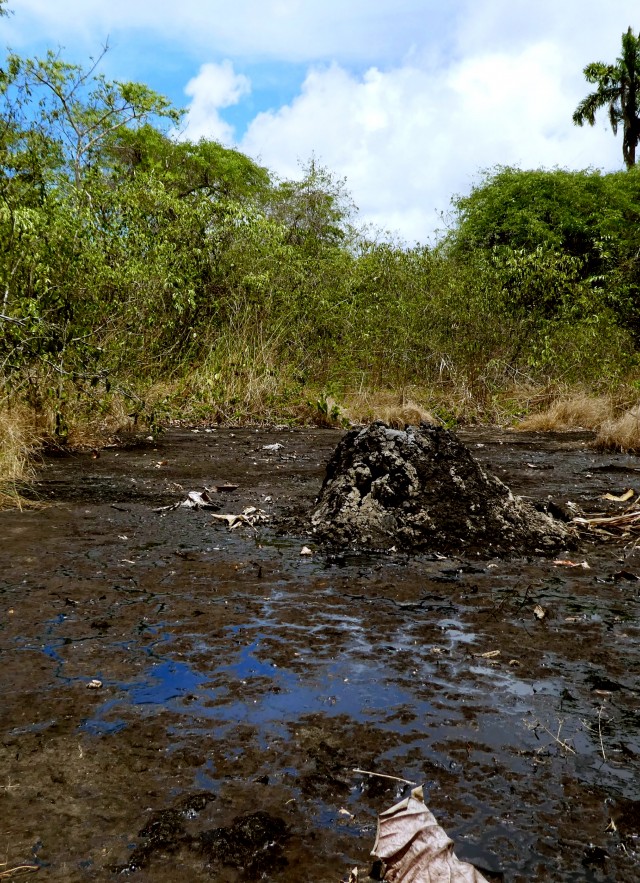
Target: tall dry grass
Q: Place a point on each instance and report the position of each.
(577, 411)
(614, 418)
(621, 433)
(396, 408)
(20, 439)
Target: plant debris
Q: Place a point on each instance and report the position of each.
(415, 849)
(249, 516)
(194, 500)
(622, 499)
(625, 524)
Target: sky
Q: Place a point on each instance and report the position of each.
(410, 101)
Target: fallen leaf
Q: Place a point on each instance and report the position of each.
(230, 519)
(564, 562)
(198, 500)
(415, 849)
(622, 499)
(539, 612)
(490, 654)
(345, 812)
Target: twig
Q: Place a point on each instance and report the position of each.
(604, 756)
(384, 776)
(18, 869)
(11, 319)
(557, 738)
(534, 726)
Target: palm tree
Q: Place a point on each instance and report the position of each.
(618, 87)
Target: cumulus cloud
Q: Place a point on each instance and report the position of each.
(407, 139)
(407, 99)
(216, 86)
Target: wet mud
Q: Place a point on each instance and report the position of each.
(182, 701)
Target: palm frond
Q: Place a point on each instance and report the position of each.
(617, 89)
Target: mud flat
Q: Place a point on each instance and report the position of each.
(183, 701)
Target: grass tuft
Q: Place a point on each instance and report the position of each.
(397, 409)
(19, 441)
(579, 411)
(621, 433)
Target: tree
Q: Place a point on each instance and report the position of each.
(618, 88)
(77, 109)
(206, 169)
(316, 210)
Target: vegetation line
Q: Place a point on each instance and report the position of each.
(148, 279)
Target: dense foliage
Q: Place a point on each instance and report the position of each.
(183, 278)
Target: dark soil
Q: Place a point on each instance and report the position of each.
(242, 682)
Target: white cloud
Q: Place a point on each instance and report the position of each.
(286, 30)
(216, 86)
(365, 31)
(406, 98)
(408, 138)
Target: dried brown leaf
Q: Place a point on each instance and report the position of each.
(415, 849)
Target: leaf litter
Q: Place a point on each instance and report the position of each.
(194, 500)
(415, 849)
(249, 516)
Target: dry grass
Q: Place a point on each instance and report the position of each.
(25, 431)
(620, 433)
(86, 429)
(613, 418)
(19, 441)
(579, 411)
(241, 381)
(397, 409)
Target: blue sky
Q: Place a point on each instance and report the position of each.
(407, 99)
